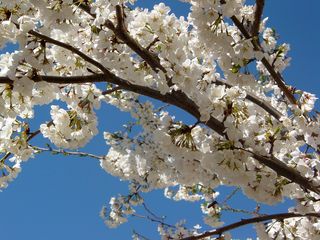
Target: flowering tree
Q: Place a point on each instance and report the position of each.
(221, 64)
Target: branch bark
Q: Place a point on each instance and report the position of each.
(257, 18)
(279, 216)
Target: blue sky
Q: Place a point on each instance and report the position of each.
(58, 197)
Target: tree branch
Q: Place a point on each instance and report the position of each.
(72, 49)
(275, 75)
(102, 78)
(180, 100)
(257, 19)
(261, 103)
(147, 56)
(279, 216)
(282, 169)
(64, 152)
(122, 33)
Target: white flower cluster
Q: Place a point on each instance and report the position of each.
(70, 129)
(121, 207)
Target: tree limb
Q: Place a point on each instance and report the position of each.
(275, 75)
(257, 18)
(102, 78)
(260, 102)
(179, 99)
(279, 216)
(72, 49)
(122, 33)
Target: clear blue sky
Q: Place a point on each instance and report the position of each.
(58, 198)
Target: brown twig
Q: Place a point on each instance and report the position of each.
(279, 216)
(32, 135)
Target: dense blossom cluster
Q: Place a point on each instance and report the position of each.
(200, 64)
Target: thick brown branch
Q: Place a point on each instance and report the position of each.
(279, 216)
(101, 78)
(257, 18)
(180, 100)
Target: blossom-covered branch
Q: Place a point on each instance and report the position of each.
(102, 78)
(244, 133)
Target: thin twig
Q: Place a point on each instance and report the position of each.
(151, 213)
(140, 236)
(32, 135)
(230, 195)
(64, 152)
(226, 207)
(153, 220)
